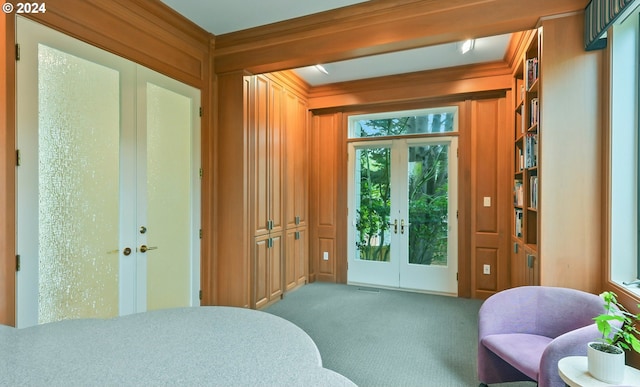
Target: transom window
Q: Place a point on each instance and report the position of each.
(404, 123)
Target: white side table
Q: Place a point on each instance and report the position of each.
(573, 370)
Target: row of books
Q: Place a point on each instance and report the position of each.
(518, 225)
(531, 71)
(531, 150)
(518, 192)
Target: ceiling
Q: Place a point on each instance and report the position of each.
(226, 16)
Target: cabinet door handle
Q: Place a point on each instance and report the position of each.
(297, 220)
(297, 235)
(530, 259)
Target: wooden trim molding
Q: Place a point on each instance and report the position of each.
(7, 171)
(458, 81)
(376, 27)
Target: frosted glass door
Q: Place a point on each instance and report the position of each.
(168, 192)
(68, 238)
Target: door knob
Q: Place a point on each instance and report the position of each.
(144, 248)
(402, 225)
(395, 226)
(126, 251)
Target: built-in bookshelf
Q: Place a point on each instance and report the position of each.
(526, 178)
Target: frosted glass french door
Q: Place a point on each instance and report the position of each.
(108, 183)
(403, 226)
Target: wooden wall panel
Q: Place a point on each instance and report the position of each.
(486, 281)
(490, 168)
(232, 273)
(146, 32)
(323, 196)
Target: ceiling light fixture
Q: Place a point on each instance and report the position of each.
(322, 69)
(467, 46)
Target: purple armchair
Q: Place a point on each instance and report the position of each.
(523, 332)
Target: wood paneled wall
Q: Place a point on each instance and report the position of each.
(146, 32)
(490, 196)
(327, 193)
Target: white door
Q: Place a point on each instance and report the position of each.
(108, 183)
(403, 202)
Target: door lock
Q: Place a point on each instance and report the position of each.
(144, 248)
(395, 226)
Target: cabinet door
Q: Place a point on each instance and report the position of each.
(532, 267)
(296, 160)
(518, 264)
(296, 263)
(261, 271)
(275, 267)
(260, 141)
(276, 157)
(301, 257)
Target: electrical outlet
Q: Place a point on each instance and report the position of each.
(487, 201)
(325, 255)
(486, 269)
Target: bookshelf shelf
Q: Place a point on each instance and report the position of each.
(525, 260)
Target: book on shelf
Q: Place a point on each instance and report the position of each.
(520, 159)
(518, 193)
(533, 192)
(518, 222)
(531, 70)
(534, 112)
(531, 150)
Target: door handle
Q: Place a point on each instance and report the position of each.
(402, 224)
(144, 248)
(395, 226)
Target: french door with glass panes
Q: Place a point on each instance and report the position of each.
(108, 183)
(402, 217)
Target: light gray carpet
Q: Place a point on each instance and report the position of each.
(378, 337)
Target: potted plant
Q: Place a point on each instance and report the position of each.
(606, 360)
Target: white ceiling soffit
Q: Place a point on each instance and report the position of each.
(224, 16)
(427, 58)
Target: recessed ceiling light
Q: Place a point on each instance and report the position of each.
(467, 46)
(322, 69)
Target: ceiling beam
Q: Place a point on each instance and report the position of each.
(377, 27)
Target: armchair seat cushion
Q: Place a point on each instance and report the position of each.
(522, 350)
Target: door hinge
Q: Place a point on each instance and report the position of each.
(200, 295)
(456, 276)
(457, 214)
(17, 52)
(201, 173)
(18, 262)
(200, 110)
(17, 157)
(200, 233)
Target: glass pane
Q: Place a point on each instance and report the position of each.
(373, 203)
(435, 121)
(79, 125)
(428, 204)
(169, 197)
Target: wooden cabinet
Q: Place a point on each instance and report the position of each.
(268, 270)
(526, 177)
(278, 186)
(296, 256)
(266, 136)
